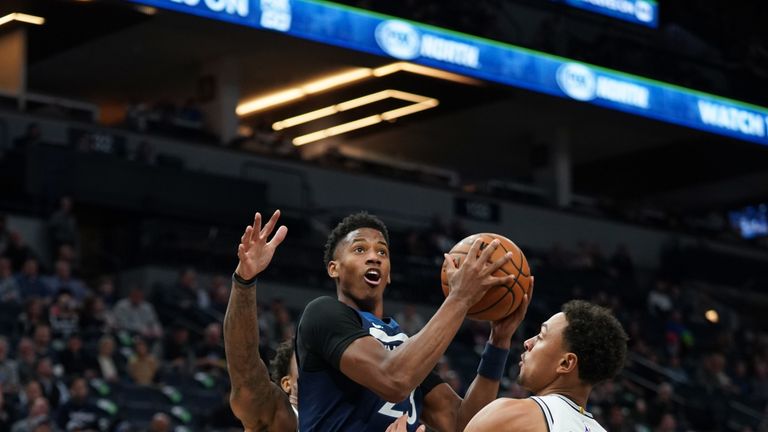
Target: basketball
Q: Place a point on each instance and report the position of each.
(501, 300)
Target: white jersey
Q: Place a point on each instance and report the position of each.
(563, 415)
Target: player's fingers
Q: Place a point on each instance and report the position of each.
(450, 264)
(508, 280)
(256, 225)
(267, 230)
(279, 236)
(499, 263)
(421, 428)
(488, 251)
(474, 250)
(245, 238)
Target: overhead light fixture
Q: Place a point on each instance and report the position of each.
(22, 17)
(146, 10)
(423, 70)
(315, 86)
(420, 103)
(263, 103)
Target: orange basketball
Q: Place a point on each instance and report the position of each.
(501, 300)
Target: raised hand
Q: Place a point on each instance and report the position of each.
(254, 252)
(474, 277)
(503, 329)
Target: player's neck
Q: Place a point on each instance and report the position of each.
(375, 307)
(579, 395)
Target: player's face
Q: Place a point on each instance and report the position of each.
(543, 354)
(361, 267)
(290, 382)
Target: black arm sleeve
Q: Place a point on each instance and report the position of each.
(326, 329)
(431, 381)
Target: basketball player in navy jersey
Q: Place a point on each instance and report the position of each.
(357, 371)
(575, 349)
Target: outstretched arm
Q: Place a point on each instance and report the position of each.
(444, 410)
(394, 374)
(255, 400)
(522, 415)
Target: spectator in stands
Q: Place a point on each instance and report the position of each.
(74, 359)
(190, 294)
(676, 371)
(668, 423)
(54, 390)
(616, 420)
(410, 320)
(31, 391)
(67, 254)
(26, 359)
(7, 414)
(95, 318)
(32, 136)
(108, 366)
(9, 369)
(659, 300)
(62, 279)
(177, 350)
(622, 263)
(9, 287)
(137, 316)
(18, 251)
(38, 415)
(711, 374)
(62, 225)
(759, 392)
(63, 315)
(219, 293)
(210, 354)
(33, 315)
(662, 404)
(5, 234)
(143, 365)
(78, 414)
(105, 289)
(42, 340)
(160, 423)
(31, 284)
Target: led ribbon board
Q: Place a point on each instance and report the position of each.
(643, 12)
(383, 35)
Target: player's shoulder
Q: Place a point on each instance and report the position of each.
(508, 414)
(323, 305)
(327, 311)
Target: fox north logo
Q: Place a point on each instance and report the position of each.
(577, 81)
(399, 39)
(643, 11)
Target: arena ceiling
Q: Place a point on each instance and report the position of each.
(111, 53)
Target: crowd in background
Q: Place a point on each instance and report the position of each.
(63, 337)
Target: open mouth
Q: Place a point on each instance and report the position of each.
(372, 277)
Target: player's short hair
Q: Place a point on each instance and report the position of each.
(280, 365)
(597, 338)
(347, 225)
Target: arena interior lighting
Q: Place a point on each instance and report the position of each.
(22, 17)
(265, 102)
(420, 103)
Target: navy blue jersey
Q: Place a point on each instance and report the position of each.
(329, 401)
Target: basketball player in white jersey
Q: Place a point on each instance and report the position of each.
(575, 349)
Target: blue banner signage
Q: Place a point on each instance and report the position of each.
(643, 12)
(486, 59)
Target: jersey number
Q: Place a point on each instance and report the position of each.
(387, 410)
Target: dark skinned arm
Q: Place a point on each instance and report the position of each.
(259, 403)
